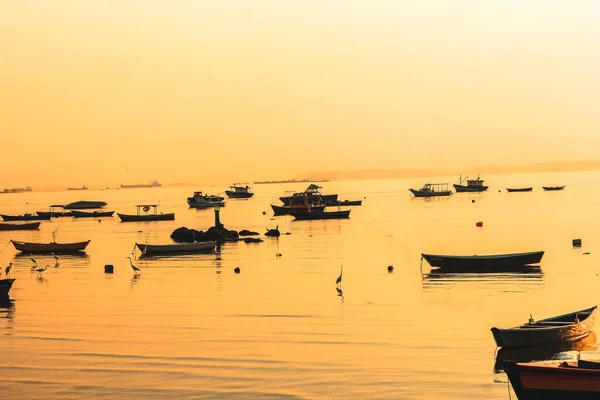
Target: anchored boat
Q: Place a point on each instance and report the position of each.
(431, 190)
(473, 185)
(146, 212)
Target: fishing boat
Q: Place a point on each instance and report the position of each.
(483, 263)
(56, 211)
(175, 248)
(563, 328)
(79, 188)
(20, 227)
(313, 195)
(311, 215)
(555, 380)
(303, 201)
(200, 200)
(53, 247)
(473, 185)
(525, 189)
(239, 192)
(284, 210)
(25, 217)
(84, 204)
(553, 187)
(431, 190)
(5, 285)
(152, 184)
(92, 214)
(146, 212)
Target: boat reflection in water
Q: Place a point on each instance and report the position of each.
(7, 312)
(563, 351)
(532, 276)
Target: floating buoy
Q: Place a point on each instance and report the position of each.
(264, 212)
(108, 269)
(236, 270)
(576, 242)
(479, 224)
(390, 268)
(472, 201)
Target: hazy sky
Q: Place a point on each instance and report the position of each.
(107, 92)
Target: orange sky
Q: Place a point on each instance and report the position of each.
(108, 92)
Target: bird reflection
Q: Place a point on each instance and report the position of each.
(340, 293)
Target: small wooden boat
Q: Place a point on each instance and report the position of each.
(432, 190)
(349, 203)
(200, 200)
(526, 189)
(56, 211)
(553, 187)
(20, 227)
(63, 248)
(239, 192)
(303, 215)
(284, 210)
(25, 217)
(144, 214)
(5, 285)
(311, 195)
(174, 248)
(84, 204)
(563, 328)
(92, 214)
(485, 263)
(555, 380)
(473, 185)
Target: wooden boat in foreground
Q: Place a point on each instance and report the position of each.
(174, 248)
(555, 380)
(5, 285)
(304, 215)
(526, 189)
(432, 190)
(144, 214)
(553, 187)
(63, 248)
(92, 214)
(563, 328)
(485, 263)
(20, 227)
(25, 217)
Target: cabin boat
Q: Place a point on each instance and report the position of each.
(525, 189)
(553, 187)
(92, 214)
(483, 263)
(312, 215)
(555, 380)
(563, 328)
(146, 212)
(432, 190)
(25, 217)
(473, 185)
(200, 200)
(54, 213)
(20, 227)
(53, 247)
(84, 204)
(313, 194)
(239, 192)
(303, 202)
(175, 248)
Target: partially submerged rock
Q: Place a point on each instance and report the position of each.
(253, 240)
(246, 232)
(218, 234)
(273, 232)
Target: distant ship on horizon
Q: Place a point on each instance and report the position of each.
(292, 181)
(18, 190)
(152, 184)
(79, 188)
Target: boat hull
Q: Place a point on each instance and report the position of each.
(92, 214)
(486, 263)
(63, 248)
(464, 188)
(330, 199)
(85, 205)
(425, 193)
(553, 187)
(547, 331)
(144, 218)
(284, 210)
(519, 189)
(5, 285)
(196, 204)
(304, 216)
(53, 214)
(29, 217)
(20, 227)
(238, 195)
(175, 248)
(540, 381)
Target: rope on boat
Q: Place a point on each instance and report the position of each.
(421, 265)
(5, 246)
(508, 387)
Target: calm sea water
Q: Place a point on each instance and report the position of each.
(188, 327)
